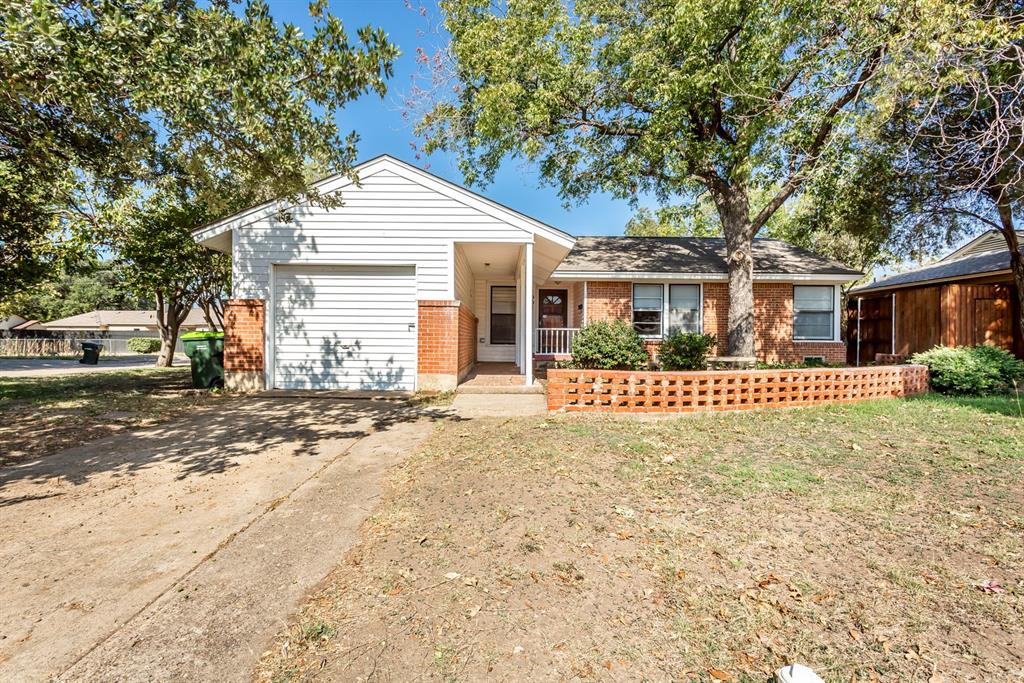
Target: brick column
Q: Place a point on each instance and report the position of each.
(437, 357)
(243, 344)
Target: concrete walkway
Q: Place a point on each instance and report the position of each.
(178, 552)
(472, 405)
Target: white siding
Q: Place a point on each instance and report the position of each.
(388, 219)
(464, 283)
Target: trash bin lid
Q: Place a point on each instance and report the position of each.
(202, 335)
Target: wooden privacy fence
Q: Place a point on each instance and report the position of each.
(686, 392)
(38, 347)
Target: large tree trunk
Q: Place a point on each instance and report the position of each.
(1016, 262)
(169, 317)
(734, 211)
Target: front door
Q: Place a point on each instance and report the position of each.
(553, 309)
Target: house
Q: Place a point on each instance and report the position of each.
(964, 299)
(413, 281)
(120, 321)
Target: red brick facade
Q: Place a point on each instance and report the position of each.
(467, 340)
(773, 319)
(446, 343)
(243, 343)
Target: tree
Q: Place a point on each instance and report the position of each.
(696, 220)
(958, 117)
(76, 288)
(730, 98)
(100, 97)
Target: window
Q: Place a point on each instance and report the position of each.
(813, 312)
(683, 308)
(648, 301)
(503, 315)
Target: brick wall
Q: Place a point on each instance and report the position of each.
(467, 340)
(609, 301)
(243, 344)
(576, 297)
(438, 357)
(684, 392)
(773, 319)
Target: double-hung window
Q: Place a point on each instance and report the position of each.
(648, 305)
(683, 308)
(813, 312)
(503, 315)
(660, 309)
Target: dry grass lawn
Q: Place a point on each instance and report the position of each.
(43, 415)
(883, 541)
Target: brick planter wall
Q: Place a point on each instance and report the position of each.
(243, 344)
(685, 392)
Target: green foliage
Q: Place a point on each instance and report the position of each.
(971, 370)
(802, 365)
(144, 344)
(98, 98)
(699, 220)
(686, 351)
(608, 346)
(76, 288)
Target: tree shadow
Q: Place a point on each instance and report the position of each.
(214, 439)
(1006, 404)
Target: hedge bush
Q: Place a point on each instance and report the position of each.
(970, 370)
(144, 344)
(686, 351)
(608, 346)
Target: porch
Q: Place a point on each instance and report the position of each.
(522, 317)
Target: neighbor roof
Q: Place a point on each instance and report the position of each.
(692, 255)
(97, 320)
(981, 264)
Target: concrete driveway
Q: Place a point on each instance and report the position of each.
(42, 367)
(178, 552)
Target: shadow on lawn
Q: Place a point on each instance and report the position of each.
(214, 438)
(1008, 404)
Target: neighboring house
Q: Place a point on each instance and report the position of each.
(964, 299)
(413, 280)
(120, 321)
(10, 322)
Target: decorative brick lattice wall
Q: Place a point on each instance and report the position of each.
(685, 392)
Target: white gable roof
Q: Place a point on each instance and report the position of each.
(212, 231)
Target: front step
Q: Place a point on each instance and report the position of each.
(499, 389)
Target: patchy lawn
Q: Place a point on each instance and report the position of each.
(43, 415)
(882, 541)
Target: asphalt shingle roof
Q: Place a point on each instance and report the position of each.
(691, 255)
(94, 320)
(988, 262)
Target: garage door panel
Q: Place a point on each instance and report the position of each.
(345, 327)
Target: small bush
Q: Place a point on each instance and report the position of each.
(686, 351)
(144, 344)
(970, 370)
(608, 346)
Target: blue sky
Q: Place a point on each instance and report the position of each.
(382, 129)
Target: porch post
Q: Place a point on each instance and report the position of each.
(528, 314)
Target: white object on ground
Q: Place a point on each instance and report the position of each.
(797, 673)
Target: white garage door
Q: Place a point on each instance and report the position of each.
(345, 327)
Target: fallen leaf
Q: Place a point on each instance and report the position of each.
(990, 586)
(720, 675)
(451, 576)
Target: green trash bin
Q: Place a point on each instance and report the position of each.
(91, 353)
(206, 352)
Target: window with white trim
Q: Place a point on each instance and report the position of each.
(814, 312)
(648, 302)
(683, 308)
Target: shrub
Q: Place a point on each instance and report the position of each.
(971, 370)
(144, 344)
(686, 351)
(608, 346)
